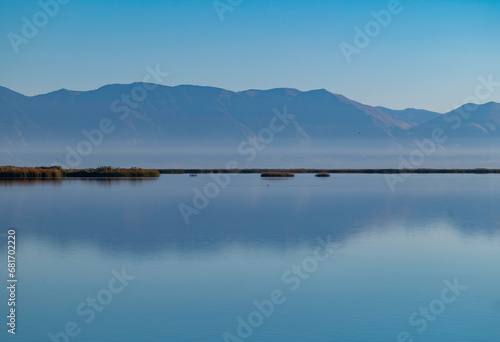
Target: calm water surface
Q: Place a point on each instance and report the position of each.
(392, 253)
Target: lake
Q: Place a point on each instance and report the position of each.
(301, 259)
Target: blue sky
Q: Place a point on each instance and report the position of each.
(429, 56)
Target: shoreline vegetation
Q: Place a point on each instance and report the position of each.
(57, 172)
(327, 172)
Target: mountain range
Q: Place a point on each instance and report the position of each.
(195, 123)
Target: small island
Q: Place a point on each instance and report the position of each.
(277, 174)
(56, 172)
(323, 174)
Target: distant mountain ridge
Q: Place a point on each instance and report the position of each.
(411, 115)
(209, 112)
(199, 118)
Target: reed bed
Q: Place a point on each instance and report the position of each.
(107, 171)
(277, 174)
(54, 172)
(31, 172)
